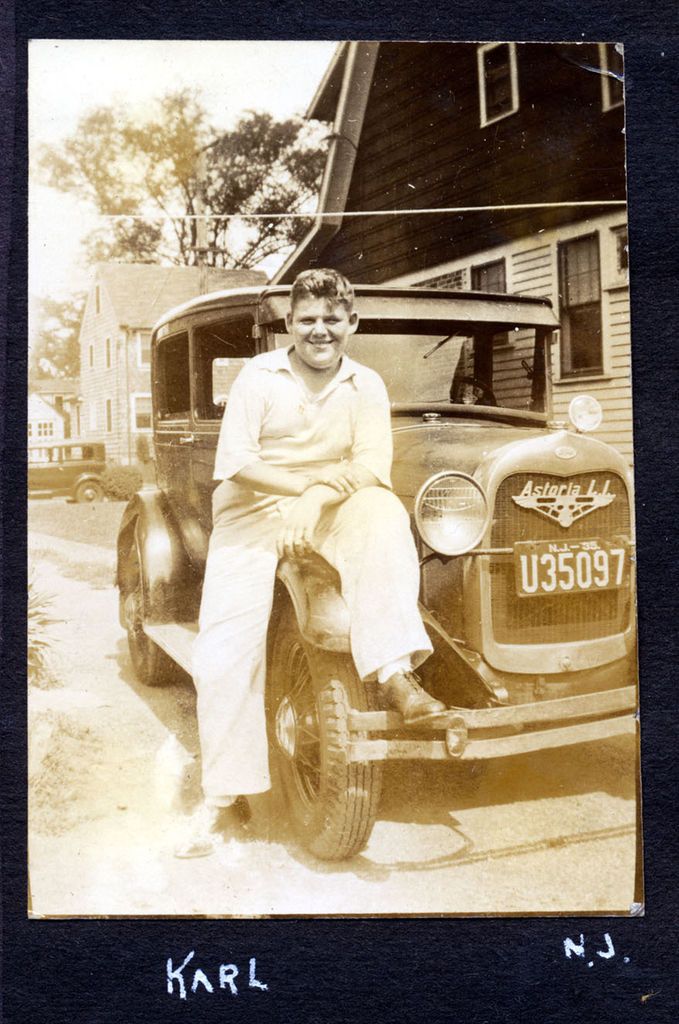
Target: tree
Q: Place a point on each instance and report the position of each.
(154, 177)
(55, 348)
(261, 166)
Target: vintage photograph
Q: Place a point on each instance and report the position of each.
(331, 522)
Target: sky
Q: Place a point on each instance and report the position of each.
(69, 77)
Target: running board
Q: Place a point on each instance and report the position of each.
(175, 638)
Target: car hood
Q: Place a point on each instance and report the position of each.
(421, 449)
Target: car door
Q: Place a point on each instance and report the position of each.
(173, 437)
(220, 346)
(54, 474)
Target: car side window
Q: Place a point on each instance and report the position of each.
(221, 350)
(173, 387)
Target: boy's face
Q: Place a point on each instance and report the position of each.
(320, 330)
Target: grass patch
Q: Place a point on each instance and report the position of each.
(41, 619)
(95, 523)
(98, 576)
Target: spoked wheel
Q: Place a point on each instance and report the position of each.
(152, 666)
(331, 801)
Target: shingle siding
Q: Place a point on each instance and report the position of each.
(422, 146)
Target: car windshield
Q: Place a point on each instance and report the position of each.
(452, 365)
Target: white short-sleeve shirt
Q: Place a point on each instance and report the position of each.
(271, 417)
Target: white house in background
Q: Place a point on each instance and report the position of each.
(53, 408)
(45, 423)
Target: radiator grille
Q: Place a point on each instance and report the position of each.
(566, 617)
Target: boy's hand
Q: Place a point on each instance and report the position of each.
(343, 478)
(296, 535)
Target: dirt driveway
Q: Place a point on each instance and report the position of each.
(113, 769)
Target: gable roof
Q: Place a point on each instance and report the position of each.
(343, 93)
(323, 106)
(141, 292)
(39, 407)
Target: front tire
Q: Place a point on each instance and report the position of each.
(151, 665)
(332, 802)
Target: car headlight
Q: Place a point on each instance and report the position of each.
(585, 413)
(451, 512)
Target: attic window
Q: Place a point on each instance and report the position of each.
(612, 78)
(97, 300)
(498, 81)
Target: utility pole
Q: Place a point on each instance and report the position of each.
(201, 248)
(201, 223)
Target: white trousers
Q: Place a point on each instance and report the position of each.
(367, 539)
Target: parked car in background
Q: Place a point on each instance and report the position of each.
(70, 467)
(524, 528)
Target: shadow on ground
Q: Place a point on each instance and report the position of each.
(428, 795)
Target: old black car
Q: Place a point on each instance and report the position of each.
(524, 528)
(71, 467)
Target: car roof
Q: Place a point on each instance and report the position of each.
(450, 305)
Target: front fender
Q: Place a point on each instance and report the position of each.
(83, 478)
(149, 531)
(314, 589)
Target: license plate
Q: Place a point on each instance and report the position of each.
(567, 567)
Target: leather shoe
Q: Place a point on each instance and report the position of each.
(403, 693)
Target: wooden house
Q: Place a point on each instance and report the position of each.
(53, 408)
(123, 303)
(493, 166)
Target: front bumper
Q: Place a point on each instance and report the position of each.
(470, 735)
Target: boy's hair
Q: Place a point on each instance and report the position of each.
(322, 283)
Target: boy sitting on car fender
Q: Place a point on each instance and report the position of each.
(304, 459)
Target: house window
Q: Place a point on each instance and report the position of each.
(91, 356)
(621, 251)
(109, 416)
(141, 412)
(45, 428)
(498, 81)
(30, 431)
(580, 298)
(612, 78)
(490, 277)
(108, 353)
(143, 348)
(97, 300)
